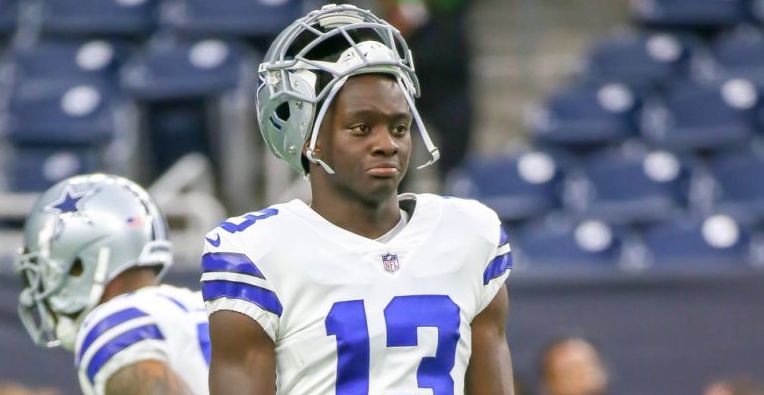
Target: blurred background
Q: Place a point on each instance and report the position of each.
(621, 142)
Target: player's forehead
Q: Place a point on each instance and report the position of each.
(372, 93)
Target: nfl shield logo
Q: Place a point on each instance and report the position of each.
(390, 262)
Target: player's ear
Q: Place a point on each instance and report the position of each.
(304, 157)
(306, 146)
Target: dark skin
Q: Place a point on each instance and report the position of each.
(149, 377)
(365, 138)
(490, 367)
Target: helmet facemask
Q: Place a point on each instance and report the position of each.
(300, 54)
(34, 311)
(49, 307)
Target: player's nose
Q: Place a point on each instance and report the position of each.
(384, 143)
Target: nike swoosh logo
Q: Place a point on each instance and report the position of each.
(215, 243)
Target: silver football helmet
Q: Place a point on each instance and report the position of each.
(79, 236)
(301, 71)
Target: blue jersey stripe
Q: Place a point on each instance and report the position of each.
(266, 299)
(503, 238)
(203, 334)
(106, 324)
(229, 262)
(175, 302)
(500, 263)
(249, 220)
(497, 267)
(119, 343)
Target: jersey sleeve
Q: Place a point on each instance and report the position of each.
(114, 338)
(493, 256)
(496, 271)
(231, 280)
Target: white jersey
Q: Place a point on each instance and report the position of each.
(350, 315)
(161, 323)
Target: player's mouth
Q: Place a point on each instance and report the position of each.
(384, 171)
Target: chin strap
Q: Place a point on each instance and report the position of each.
(99, 276)
(310, 153)
(429, 145)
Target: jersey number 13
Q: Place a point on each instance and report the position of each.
(403, 315)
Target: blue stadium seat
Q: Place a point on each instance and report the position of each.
(756, 11)
(739, 191)
(715, 241)
(249, 18)
(564, 243)
(587, 115)
(61, 60)
(36, 169)
(689, 14)
(740, 54)
(518, 187)
(98, 17)
(61, 114)
(702, 117)
(629, 186)
(643, 61)
(175, 68)
(9, 15)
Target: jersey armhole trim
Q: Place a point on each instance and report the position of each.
(266, 320)
(491, 289)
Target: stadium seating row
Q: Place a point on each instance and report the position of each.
(651, 157)
(667, 89)
(653, 60)
(692, 116)
(67, 99)
(141, 17)
(629, 89)
(629, 185)
(696, 14)
(74, 70)
(713, 243)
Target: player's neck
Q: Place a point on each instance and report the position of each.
(129, 281)
(364, 219)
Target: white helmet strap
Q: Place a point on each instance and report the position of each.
(428, 144)
(317, 125)
(99, 276)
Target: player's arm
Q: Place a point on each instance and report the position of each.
(490, 367)
(149, 377)
(243, 356)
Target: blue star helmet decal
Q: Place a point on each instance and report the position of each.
(67, 203)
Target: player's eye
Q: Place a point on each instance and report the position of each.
(360, 128)
(401, 130)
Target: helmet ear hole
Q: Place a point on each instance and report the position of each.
(282, 111)
(77, 268)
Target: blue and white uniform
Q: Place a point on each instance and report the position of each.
(162, 323)
(350, 315)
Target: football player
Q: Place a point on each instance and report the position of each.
(363, 291)
(95, 248)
